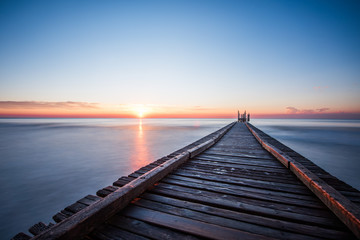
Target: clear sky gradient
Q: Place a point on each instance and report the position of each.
(180, 58)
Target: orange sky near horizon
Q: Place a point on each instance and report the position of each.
(96, 110)
(180, 59)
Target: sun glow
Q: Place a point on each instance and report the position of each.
(140, 110)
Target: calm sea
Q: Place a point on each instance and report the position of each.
(333, 145)
(48, 164)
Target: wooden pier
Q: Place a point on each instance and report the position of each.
(236, 183)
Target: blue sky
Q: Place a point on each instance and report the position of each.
(266, 56)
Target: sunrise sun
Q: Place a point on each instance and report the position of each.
(140, 111)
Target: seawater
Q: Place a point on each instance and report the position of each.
(334, 145)
(48, 164)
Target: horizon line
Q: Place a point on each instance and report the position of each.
(333, 115)
(235, 118)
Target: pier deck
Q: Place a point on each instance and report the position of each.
(233, 190)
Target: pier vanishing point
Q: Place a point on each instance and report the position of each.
(236, 183)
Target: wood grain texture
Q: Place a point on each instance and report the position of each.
(224, 186)
(343, 208)
(236, 187)
(82, 219)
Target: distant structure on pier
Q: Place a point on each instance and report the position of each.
(243, 117)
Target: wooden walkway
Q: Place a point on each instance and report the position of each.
(233, 190)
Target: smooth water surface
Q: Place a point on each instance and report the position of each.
(334, 145)
(48, 164)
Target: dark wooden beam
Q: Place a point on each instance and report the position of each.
(342, 207)
(86, 220)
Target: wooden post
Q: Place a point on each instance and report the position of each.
(243, 117)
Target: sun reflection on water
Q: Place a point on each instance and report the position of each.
(140, 127)
(140, 156)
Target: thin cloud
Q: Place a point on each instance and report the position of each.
(321, 110)
(320, 88)
(160, 108)
(293, 110)
(200, 108)
(307, 111)
(46, 105)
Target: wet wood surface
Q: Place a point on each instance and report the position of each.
(234, 190)
(80, 218)
(316, 180)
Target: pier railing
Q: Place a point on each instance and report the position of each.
(341, 206)
(89, 218)
(243, 117)
(248, 167)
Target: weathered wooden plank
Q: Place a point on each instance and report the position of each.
(237, 170)
(342, 207)
(238, 154)
(304, 161)
(353, 194)
(226, 160)
(235, 189)
(244, 188)
(243, 198)
(106, 191)
(265, 209)
(89, 199)
(122, 181)
(67, 213)
(237, 167)
(99, 236)
(256, 175)
(21, 236)
(39, 227)
(78, 225)
(242, 181)
(148, 230)
(245, 217)
(242, 169)
(59, 217)
(236, 160)
(187, 225)
(200, 148)
(257, 151)
(270, 197)
(226, 222)
(76, 207)
(225, 154)
(107, 232)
